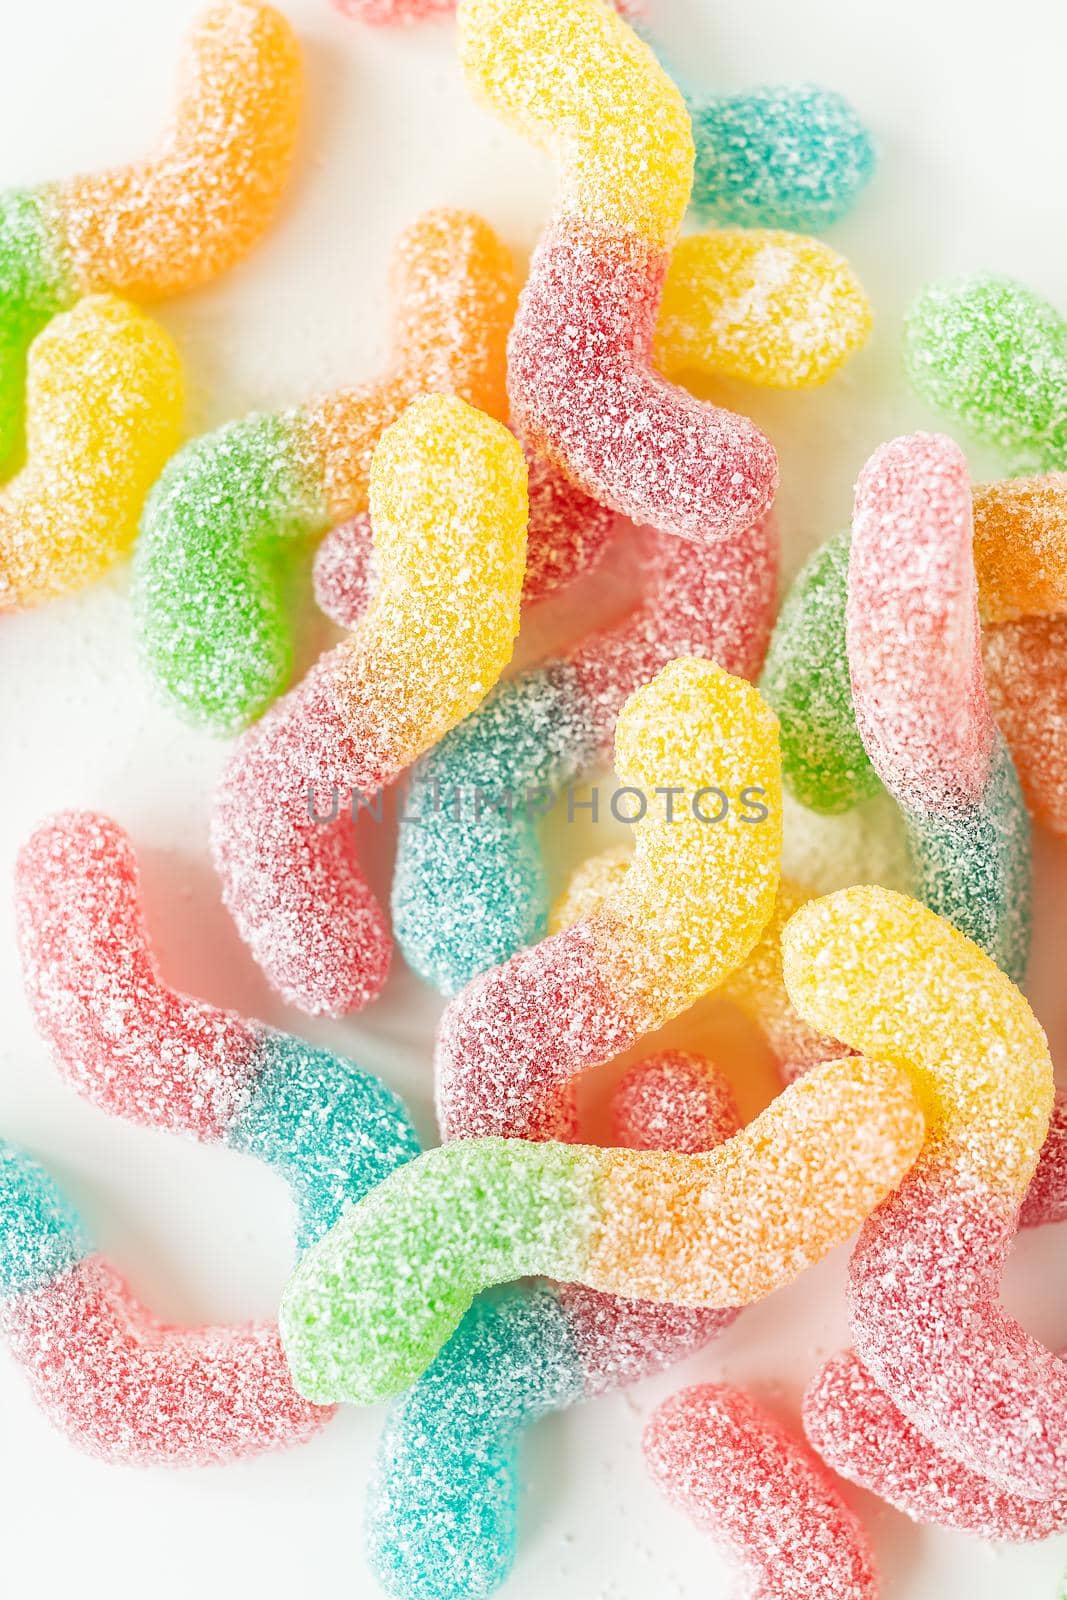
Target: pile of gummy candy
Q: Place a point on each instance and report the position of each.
(909, 696)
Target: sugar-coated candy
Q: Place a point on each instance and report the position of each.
(1025, 671)
(994, 354)
(755, 1486)
(828, 851)
(784, 156)
(697, 750)
(382, 12)
(1046, 1198)
(369, 1306)
(863, 1436)
(104, 412)
(141, 1050)
(760, 305)
(1020, 547)
(888, 977)
(915, 658)
(470, 886)
(449, 505)
(572, 76)
(215, 631)
(806, 681)
(159, 227)
(122, 1384)
(442, 1514)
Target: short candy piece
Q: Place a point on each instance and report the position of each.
(215, 631)
(106, 1370)
(470, 887)
(511, 1043)
(442, 1513)
(862, 1435)
(886, 976)
(159, 227)
(571, 76)
(104, 412)
(914, 653)
(766, 307)
(370, 1305)
(994, 354)
(448, 499)
(735, 1470)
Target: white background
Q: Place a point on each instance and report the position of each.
(967, 103)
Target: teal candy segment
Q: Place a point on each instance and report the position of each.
(217, 536)
(794, 157)
(806, 682)
(973, 867)
(33, 287)
(470, 887)
(41, 1234)
(442, 1512)
(331, 1130)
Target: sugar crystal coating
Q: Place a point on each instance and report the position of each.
(759, 305)
(888, 977)
(442, 1514)
(104, 411)
(210, 601)
(162, 226)
(859, 1432)
(573, 78)
(1020, 547)
(914, 653)
(511, 1043)
(756, 1487)
(448, 499)
(100, 1364)
(1025, 670)
(470, 884)
(994, 354)
(369, 1306)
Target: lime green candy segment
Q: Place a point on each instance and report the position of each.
(216, 534)
(34, 286)
(370, 1305)
(806, 681)
(994, 354)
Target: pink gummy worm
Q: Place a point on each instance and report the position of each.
(120, 1034)
(736, 1471)
(584, 393)
(914, 642)
(124, 1386)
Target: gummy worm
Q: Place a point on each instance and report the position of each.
(163, 226)
(215, 632)
(914, 650)
(121, 1383)
(467, 895)
(888, 977)
(569, 74)
(448, 498)
(441, 1516)
(104, 412)
(735, 1470)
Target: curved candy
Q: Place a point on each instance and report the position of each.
(914, 653)
(215, 633)
(448, 497)
(994, 354)
(862, 1435)
(698, 750)
(569, 74)
(107, 1371)
(470, 887)
(104, 412)
(1020, 547)
(722, 1229)
(887, 976)
(441, 1516)
(762, 306)
(163, 226)
(1026, 669)
(735, 1470)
